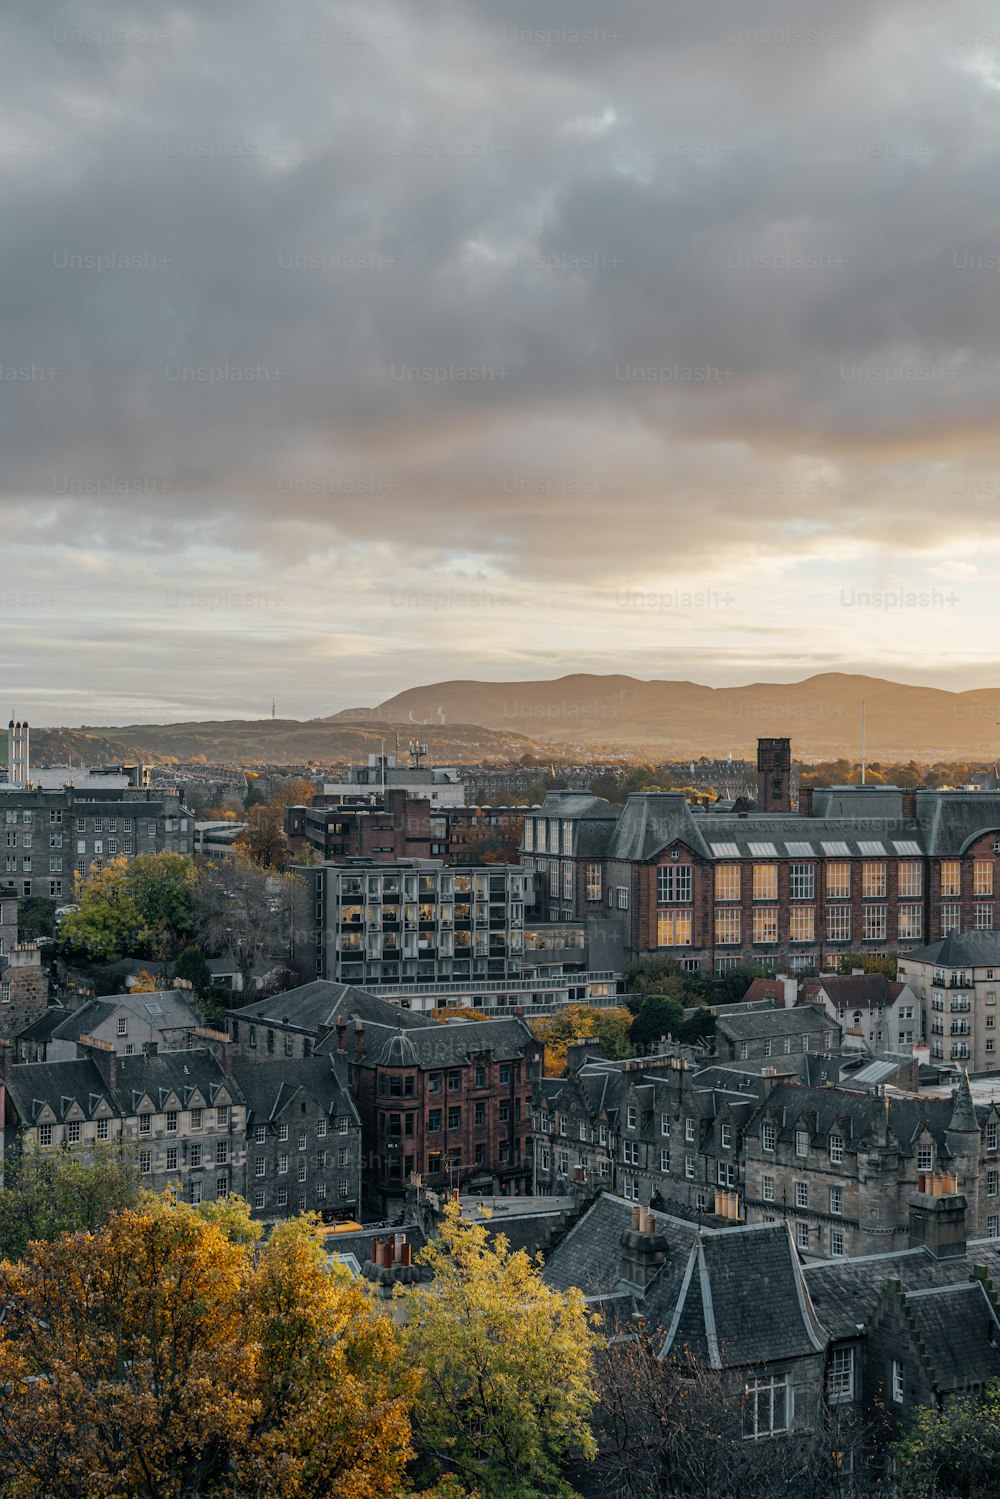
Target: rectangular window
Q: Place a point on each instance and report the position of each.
(259, 1166)
(802, 1236)
(765, 926)
(727, 882)
(837, 1201)
(673, 884)
(689, 1167)
(801, 1194)
(992, 1135)
(897, 1381)
(951, 877)
(802, 924)
(951, 919)
(840, 1376)
(145, 1124)
(171, 1121)
(765, 1407)
(802, 881)
(765, 882)
(992, 1178)
(836, 1241)
(222, 1153)
(836, 1150)
(73, 1132)
(982, 917)
(194, 1155)
(911, 923)
(103, 1129)
(726, 1136)
(222, 1117)
(45, 1134)
(910, 877)
(838, 923)
(801, 1142)
(665, 1124)
(282, 1165)
(873, 880)
(673, 928)
(592, 882)
(982, 877)
(145, 1162)
(768, 1136)
(873, 918)
(727, 926)
(767, 1188)
(838, 881)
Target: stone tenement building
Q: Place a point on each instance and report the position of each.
(793, 1342)
(857, 868)
(836, 1162)
(285, 1136)
(412, 921)
(956, 982)
(50, 834)
(449, 1103)
(134, 1024)
(24, 986)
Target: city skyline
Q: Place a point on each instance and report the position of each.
(372, 348)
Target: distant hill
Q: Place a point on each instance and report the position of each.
(282, 741)
(470, 720)
(821, 715)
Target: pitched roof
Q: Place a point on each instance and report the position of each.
(845, 1292)
(317, 1006)
(59, 1085)
(860, 991)
(960, 950)
(179, 1072)
(751, 1025)
(269, 1087)
(856, 1116)
(957, 1332)
(436, 1045)
(589, 1256)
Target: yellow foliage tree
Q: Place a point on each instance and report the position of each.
(572, 1023)
(507, 1388)
(168, 1354)
(144, 983)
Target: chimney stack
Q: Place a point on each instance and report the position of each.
(359, 1039)
(643, 1248)
(937, 1215)
(910, 805)
(341, 1033)
(805, 801)
(106, 1057)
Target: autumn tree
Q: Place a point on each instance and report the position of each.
(169, 1354)
(144, 983)
(507, 1363)
(558, 1031)
(141, 907)
(263, 837)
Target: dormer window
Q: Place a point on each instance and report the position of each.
(925, 1157)
(768, 1136)
(836, 1149)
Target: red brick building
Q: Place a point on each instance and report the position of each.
(871, 869)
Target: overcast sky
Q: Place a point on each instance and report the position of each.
(348, 347)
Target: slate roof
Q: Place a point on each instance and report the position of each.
(316, 1007)
(60, 1085)
(845, 1292)
(957, 1332)
(589, 1256)
(753, 1025)
(863, 991)
(857, 1116)
(360, 1244)
(166, 1072)
(437, 1045)
(743, 1300)
(269, 1087)
(960, 950)
(176, 1012)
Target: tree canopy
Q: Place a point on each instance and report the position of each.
(572, 1023)
(507, 1388)
(141, 907)
(169, 1354)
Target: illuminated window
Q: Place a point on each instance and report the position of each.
(727, 882)
(727, 926)
(673, 928)
(873, 880)
(951, 877)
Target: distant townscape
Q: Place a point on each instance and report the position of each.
(702, 1052)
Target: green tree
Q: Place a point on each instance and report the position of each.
(192, 965)
(508, 1367)
(868, 962)
(50, 1192)
(658, 1017)
(140, 907)
(953, 1451)
(36, 917)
